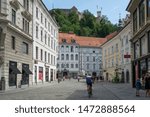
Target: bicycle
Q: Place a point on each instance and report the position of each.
(89, 90)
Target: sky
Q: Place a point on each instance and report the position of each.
(110, 8)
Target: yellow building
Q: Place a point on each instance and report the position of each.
(111, 56)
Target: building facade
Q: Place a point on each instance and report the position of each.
(111, 57)
(140, 42)
(79, 54)
(45, 36)
(125, 36)
(16, 43)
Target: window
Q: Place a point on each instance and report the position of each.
(45, 38)
(67, 56)
(67, 65)
(48, 26)
(26, 4)
(116, 47)
(72, 57)
(143, 46)
(72, 65)
(135, 21)
(93, 59)
(87, 66)
(94, 66)
(41, 18)
(13, 16)
(62, 56)
(45, 23)
(37, 13)
(112, 62)
(48, 57)
(25, 48)
(57, 65)
(25, 25)
(51, 59)
(149, 41)
(141, 13)
(71, 48)
(13, 42)
(37, 31)
(42, 35)
(62, 65)
(67, 48)
(87, 58)
(112, 50)
(41, 55)
(126, 39)
(136, 50)
(54, 60)
(52, 43)
(148, 8)
(49, 40)
(76, 57)
(45, 56)
(77, 66)
(36, 52)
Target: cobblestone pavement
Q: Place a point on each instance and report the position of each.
(74, 90)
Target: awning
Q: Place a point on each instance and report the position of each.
(27, 70)
(15, 70)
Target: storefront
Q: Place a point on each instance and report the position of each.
(13, 71)
(41, 74)
(25, 74)
(47, 74)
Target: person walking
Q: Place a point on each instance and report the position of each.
(147, 85)
(138, 87)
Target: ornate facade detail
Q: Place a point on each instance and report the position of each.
(15, 4)
(27, 15)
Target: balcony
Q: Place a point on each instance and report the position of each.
(27, 15)
(15, 4)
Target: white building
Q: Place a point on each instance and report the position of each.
(45, 36)
(79, 54)
(16, 43)
(91, 60)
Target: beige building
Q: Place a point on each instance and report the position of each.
(117, 54)
(111, 56)
(15, 43)
(140, 42)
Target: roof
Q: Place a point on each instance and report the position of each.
(110, 36)
(81, 40)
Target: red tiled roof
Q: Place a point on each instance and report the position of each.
(110, 36)
(81, 40)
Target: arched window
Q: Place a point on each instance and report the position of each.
(62, 56)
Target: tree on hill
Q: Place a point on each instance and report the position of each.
(86, 26)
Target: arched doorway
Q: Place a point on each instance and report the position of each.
(127, 76)
(107, 76)
(122, 77)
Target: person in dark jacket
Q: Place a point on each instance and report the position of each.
(138, 87)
